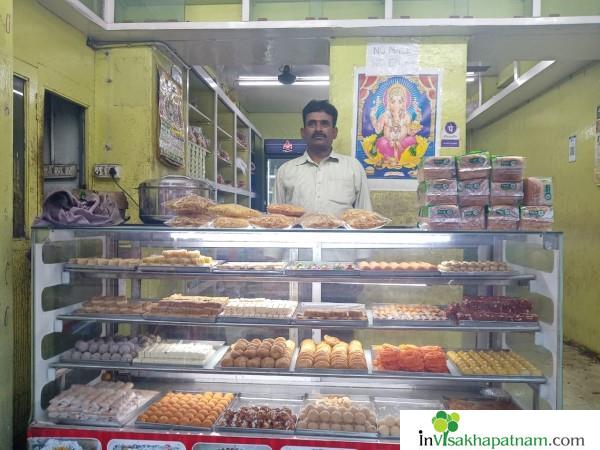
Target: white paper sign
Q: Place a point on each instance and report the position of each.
(389, 59)
(572, 148)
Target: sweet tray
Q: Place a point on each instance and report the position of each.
(273, 370)
(473, 402)
(247, 267)
(340, 433)
(190, 319)
(331, 307)
(399, 273)
(408, 372)
(412, 323)
(218, 346)
(454, 370)
(147, 398)
(177, 268)
(315, 371)
(480, 273)
(169, 426)
(101, 268)
(293, 403)
(496, 323)
(266, 321)
(293, 270)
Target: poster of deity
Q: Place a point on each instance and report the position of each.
(395, 123)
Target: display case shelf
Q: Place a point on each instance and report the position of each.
(197, 116)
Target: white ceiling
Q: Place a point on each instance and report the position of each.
(255, 48)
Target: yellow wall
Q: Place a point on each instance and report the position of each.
(540, 130)
(446, 53)
(126, 101)
(6, 297)
(227, 11)
(277, 125)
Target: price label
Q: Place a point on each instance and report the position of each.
(217, 446)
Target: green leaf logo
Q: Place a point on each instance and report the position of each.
(444, 422)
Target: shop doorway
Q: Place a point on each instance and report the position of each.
(64, 144)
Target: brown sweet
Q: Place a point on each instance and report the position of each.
(234, 211)
(231, 222)
(363, 220)
(286, 209)
(272, 221)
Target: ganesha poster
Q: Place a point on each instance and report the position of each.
(395, 127)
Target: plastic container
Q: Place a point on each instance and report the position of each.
(508, 168)
(474, 192)
(472, 218)
(437, 168)
(474, 165)
(438, 192)
(538, 191)
(439, 217)
(503, 218)
(506, 193)
(536, 218)
(330, 311)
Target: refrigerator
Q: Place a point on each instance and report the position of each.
(277, 152)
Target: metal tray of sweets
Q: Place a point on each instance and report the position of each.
(177, 268)
(99, 268)
(170, 426)
(411, 373)
(293, 403)
(148, 397)
(266, 370)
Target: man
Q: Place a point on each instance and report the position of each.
(322, 180)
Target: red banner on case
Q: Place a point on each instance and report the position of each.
(121, 439)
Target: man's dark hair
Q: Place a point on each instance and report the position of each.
(319, 106)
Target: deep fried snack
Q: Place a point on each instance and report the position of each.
(363, 220)
(201, 220)
(190, 204)
(230, 222)
(320, 221)
(232, 210)
(272, 221)
(286, 209)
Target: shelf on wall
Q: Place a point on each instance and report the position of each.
(221, 133)
(203, 119)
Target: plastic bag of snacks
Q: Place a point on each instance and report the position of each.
(507, 168)
(474, 192)
(437, 192)
(439, 217)
(320, 221)
(359, 219)
(536, 218)
(538, 191)
(474, 165)
(503, 218)
(506, 193)
(437, 168)
(472, 218)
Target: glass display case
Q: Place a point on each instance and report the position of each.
(383, 320)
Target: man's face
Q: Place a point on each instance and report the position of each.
(319, 132)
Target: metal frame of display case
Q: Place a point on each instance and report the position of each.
(488, 245)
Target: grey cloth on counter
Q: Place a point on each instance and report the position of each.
(63, 208)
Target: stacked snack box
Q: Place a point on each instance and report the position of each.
(477, 191)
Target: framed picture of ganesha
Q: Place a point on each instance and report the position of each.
(396, 122)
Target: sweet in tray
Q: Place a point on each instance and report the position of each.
(412, 266)
(363, 220)
(391, 311)
(113, 305)
(334, 413)
(180, 257)
(108, 262)
(410, 358)
(331, 311)
(493, 308)
(266, 354)
(389, 425)
(110, 349)
(479, 403)
(273, 221)
(188, 409)
(321, 266)
(261, 308)
(265, 416)
(176, 352)
(473, 266)
(331, 353)
(102, 402)
(487, 362)
(188, 306)
(250, 265)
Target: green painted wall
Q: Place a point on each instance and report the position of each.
(226, 11)
(540, 131)
(6, 293)
(475, 8)
(277, 125)
(126, 100)
(571, 7)
(444, 53)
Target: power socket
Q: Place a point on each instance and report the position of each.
(104, 170)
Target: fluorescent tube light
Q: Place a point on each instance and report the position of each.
(19, 93)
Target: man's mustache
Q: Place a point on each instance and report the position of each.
(315, 135)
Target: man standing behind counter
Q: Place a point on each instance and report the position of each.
(322, 180)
